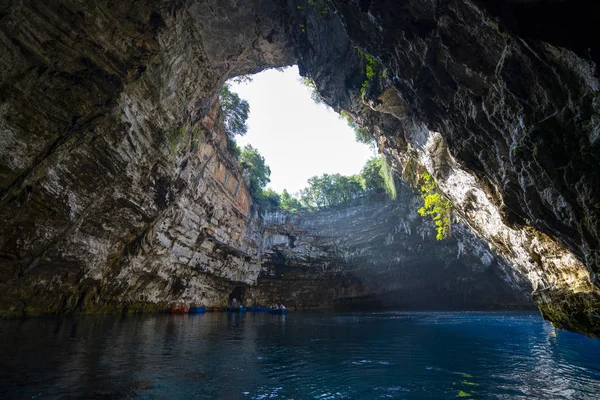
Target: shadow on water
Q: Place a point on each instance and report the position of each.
(299, 355)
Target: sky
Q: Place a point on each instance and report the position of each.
(297, 137)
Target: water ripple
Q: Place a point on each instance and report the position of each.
(321, 356)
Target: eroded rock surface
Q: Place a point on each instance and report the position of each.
(379, 254)
(508, 126)
(116, 186)
(114, 182)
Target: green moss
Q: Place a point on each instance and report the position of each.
(175, 138)
(320, 6)
(463, 394)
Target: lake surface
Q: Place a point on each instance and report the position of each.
(394, 355)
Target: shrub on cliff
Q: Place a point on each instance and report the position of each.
(436, 206)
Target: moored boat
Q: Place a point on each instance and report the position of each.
(180, 310)
(278, 311)
(197, 310)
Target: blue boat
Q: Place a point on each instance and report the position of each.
(197, 310)
(278, 311)
(237, 309)
(259, 309)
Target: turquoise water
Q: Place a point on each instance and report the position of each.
(298, 356)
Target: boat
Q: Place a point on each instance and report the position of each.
(197, 310)
(278, 311)
(180, 310)
(259, 309)
(237, 309)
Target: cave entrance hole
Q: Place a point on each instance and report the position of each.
(298, 136)
(239, 294)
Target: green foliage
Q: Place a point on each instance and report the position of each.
(243, 79)
(436, 206)
(372, 179)
(178, 135)
(324, 10)
(234, 149)
(235, 110)
(388, 180)
(258, 172)
(314, 93)
(361, 135)
(270, 200)
(175, 138)
(289, 203)
(370, 72)
(329, 190)
(378, 179)
(195, 139)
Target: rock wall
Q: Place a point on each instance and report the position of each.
(506, 124)
(116, 189)
(113, 187)
(378, 254)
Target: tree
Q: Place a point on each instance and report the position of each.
(361, 135)
(314, 93)
(289, 203)
(258, 172)
(372, 180)
(329, 190)
(270, 200)
(235, 110)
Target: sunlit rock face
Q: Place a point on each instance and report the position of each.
(377, 254)
(508, 125)
(116, 190)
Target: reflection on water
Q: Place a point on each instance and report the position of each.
(298, 356)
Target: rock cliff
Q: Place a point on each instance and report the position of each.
(116, 189)
(380, 254)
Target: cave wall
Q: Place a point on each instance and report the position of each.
(377, 254)
(109, 155)
(507, 125)
(112, 160)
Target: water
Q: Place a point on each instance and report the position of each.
(298, 356)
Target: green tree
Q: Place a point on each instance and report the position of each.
(378, 180)
(314, 93)
(331, 189)
(258, 172)
(289, 203)
(235, 110)
(270, 200)
(361, 135)
(372, 181)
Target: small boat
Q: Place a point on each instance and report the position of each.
(259, 309)
(278, 311)
(237, 309)
(197, 310)
(180, 310)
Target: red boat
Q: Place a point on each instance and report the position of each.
(180, 310)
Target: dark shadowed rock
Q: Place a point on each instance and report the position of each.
(114, 188)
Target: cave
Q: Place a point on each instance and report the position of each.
(118, 193)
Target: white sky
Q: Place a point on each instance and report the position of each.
(297, 138)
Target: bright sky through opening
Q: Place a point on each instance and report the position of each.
(297, 137)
